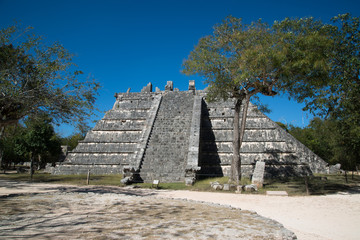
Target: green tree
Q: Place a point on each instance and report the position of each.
(73, 140)
(327, 139)
(339, 99)
(38, 138)
(241, 60)
(317, 136)
(36, 79)
(7, 144)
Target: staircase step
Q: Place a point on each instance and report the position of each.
(166, 154)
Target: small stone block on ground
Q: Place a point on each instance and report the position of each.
(258, 175)
(155, 183)
(276, 193)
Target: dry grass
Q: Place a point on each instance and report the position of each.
(318, 185)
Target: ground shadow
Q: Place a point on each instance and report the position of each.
(23, 188)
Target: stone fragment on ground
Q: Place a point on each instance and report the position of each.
(277, 193)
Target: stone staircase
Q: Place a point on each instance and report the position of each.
(165, 157)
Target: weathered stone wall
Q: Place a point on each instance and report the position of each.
(263, 140)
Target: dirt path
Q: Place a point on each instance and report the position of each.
(98, 212)
(315, 217)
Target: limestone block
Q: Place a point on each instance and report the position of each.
(258, 175)
(106, 147)
(139, 114)
(147, 88)
(83, 169)
(285, 170)
(227, 123)
(247, 158)
(112, 136)
(133, 104)
(192, 85)
(334, 168)
(119, 125)
(219, 147)
(250, 135)
(216, 186)
(169, 86)
(229, 112)
(90, 158)
(250, 188)
(267, 147)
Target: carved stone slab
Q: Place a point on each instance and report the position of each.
(258, 175)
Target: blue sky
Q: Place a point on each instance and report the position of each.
(130, 43)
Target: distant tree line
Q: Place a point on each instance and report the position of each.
(34, 140)
(327, 139)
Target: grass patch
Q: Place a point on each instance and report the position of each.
(318, 184)
(200, 185)
(172, 186)
(204, 184)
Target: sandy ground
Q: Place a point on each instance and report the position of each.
(101, 212)
(314, 217)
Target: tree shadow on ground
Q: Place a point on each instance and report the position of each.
(317, 185)
(34, 188)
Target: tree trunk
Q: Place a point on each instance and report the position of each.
(2, 129)
(238, 137)
(235, 164)
(1, 159)
(346, 178)
(243, 119)
(32, 166)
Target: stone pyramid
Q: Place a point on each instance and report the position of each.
(175, 136)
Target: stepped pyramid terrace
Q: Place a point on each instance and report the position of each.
(177, 136)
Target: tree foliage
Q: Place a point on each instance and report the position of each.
(339, 99)
(73, 140)
(37, 139)
(7, 144)
(37, 79)
(326, 138)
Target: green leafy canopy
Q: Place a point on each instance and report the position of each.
(36, 78)
(240, 59)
